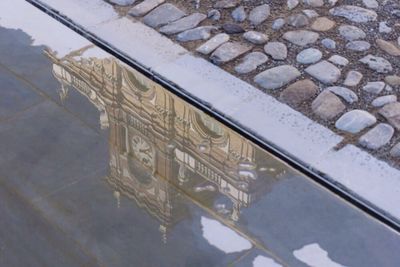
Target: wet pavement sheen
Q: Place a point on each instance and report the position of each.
(100, 166)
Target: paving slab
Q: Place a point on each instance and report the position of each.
(15, 96)
(38, 161)
(47, 245)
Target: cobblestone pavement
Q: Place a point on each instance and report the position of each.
(336, 61)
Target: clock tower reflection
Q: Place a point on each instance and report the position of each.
(163, 151)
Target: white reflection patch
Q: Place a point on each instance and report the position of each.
(223, 237)
(44, 30)
(314, 256)
(95, 52)
(261, 261)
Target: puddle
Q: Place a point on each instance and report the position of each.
(314, 256)
(132, 175)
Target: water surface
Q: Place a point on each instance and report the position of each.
(100, 166)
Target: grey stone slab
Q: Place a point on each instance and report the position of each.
(239, 14)
(388, 47)
(309, 56)
(214, 15)
(358, 46)
(33, 68)
(353, 78)
(277, 77)
(383, 100)
(325, 72)
(371, 4)
(162, 15)
(354, 13)
(391, 112)
(393, 80)
(378, 64)
(255, 37)
(15, 95)
(297, 20)
(213, 43)
(144, 7)
(123, 2)
(229, 51)
(298, 92)
(374, 87)
(301, 37)
(250, 62)
(377, 137)
(327, 105)
(47, 148)
(395, 151)
(80, 106)
(276, 50)
(17, 54)
(339, 60)
(30, 239)
(344, 93)
(259, 14)
(355, 121)
(199, 33)
(290, 226)
(226, 3)
(232, 28)
(123, 232)
(183, 24)
(278, 24)
(328, 43)
(351, 33)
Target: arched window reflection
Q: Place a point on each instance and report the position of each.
(209, 125)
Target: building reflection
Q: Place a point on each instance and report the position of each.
(163, 151)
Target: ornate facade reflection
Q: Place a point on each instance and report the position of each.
(162, 149)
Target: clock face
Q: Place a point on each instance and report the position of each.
(142, 151)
